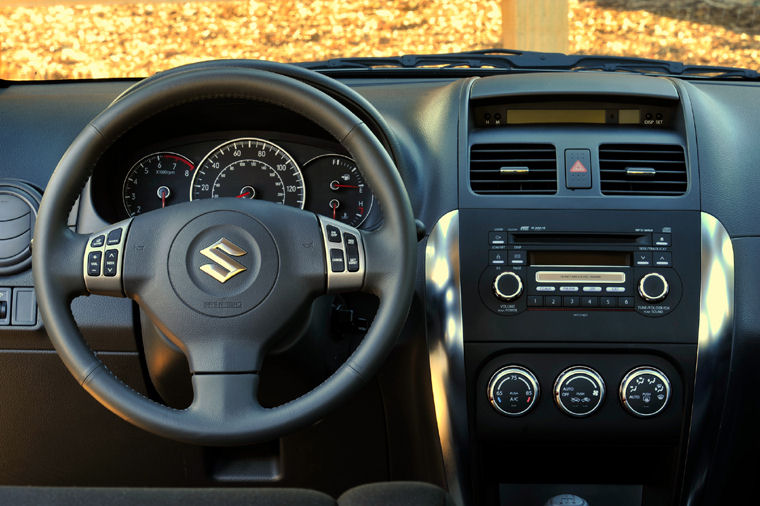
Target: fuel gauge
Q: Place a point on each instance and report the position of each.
(336, 189)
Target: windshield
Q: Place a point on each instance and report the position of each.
(61, 39)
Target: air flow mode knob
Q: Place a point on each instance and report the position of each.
(507, 286)
(653, 287)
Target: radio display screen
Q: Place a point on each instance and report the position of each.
(580, 258)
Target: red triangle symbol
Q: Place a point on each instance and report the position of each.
(578, 167)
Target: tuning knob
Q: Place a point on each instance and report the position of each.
(507, 286)
(653, 287)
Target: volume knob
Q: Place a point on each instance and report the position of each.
(653, 287)
(507, 286)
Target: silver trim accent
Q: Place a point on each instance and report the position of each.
(583, 371)
(632, 375)
(509, 171)
(342, 281)
(101, 284)
(443, 297)
(654, 298)
(640, 171)
(521, 371)
(507, 296)
(716, 317)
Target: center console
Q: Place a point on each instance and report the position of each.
(578, 300)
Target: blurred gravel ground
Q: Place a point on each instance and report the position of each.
(137, 40)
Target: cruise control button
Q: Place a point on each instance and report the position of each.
(337, 264)
(93, 263)
(114, 237)
(98, 242)
(110, 262)
(352, 252)
(333, 234)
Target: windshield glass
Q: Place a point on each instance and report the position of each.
(61, 39)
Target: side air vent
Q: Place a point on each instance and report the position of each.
(502, 169)
(18, 211)
(642, 169)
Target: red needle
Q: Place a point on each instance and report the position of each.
(334, 209)
(163, 200)
(243, 195)
(345, 186)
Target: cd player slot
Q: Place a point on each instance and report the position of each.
(579, 258)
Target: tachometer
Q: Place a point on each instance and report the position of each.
(249, 168)
(156, 181)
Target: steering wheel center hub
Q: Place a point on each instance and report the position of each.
(223, 263)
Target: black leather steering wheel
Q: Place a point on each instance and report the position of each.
(224, 278)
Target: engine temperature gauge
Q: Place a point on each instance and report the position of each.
(337, 189)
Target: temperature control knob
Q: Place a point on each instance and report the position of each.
(579, 391)
(653, 287)
(507, 286)
(645, 391)
(513, 390)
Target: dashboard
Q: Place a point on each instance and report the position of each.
(585, 316)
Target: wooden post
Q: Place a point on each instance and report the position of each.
(535, 25)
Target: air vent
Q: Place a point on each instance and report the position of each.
(642, 169)
(18, 210)
(501, 169)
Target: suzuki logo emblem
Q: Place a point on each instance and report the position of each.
(224, 267)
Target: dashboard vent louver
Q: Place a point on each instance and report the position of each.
(642, 169)
(503, 169)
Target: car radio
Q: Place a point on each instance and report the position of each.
(536, 268)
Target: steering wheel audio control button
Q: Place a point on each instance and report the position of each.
(94, 259)
(352, 252)
(333, 234)
(337, 263)
(114, 237)
(103, 258)
(98, 242)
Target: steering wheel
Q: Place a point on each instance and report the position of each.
(224, 279)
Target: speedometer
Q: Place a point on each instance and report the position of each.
(249, 168)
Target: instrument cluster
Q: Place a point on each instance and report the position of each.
(285, 169)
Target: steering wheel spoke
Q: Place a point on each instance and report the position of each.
(225, 396)
(103, 260)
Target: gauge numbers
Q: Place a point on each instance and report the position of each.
(156, 181)
(249, 168)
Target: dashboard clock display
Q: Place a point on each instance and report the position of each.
(249, 168)
(337, 189)
(156, 181)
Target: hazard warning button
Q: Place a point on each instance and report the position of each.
(578, 168)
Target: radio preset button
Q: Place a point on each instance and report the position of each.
(615, 289)
(608, 302)
(553, 300)
(568, 288)
(571, 301)
(642, 258)
(589, 301)
(545, 288)
(535, 301)
(625, 302)
(592, 289)
(497, 257)
(507, 286)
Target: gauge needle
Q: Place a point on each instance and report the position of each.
(334, 204)
(345, 186)
(243, 195)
